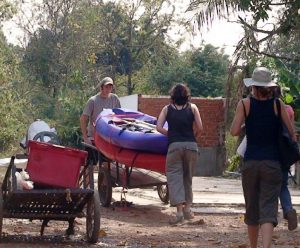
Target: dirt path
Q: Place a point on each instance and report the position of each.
(144, 226)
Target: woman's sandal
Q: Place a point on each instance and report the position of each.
(188, 215)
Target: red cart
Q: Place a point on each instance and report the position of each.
(63, 189)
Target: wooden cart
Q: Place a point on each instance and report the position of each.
(52, 203)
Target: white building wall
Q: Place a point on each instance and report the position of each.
(129, 102)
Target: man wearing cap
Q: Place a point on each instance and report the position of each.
(104, 99)
(261, 170)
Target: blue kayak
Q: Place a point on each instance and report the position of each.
(131, 130)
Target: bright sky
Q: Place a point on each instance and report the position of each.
(11, 32)
(221, 34)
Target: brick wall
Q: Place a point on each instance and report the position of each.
(212, 113)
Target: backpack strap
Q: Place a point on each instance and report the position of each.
(278, 108)
(245, 115)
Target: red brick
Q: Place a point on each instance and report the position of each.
(212, 112)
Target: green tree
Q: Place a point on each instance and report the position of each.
(208, 71)
(287, 71)
(7, 10)
(15, 107)
(129, 35)
(147, 28)
(44, 56)
(265, 36)
(259, 35)
(204, 70)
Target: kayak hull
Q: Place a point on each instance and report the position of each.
(131, 158)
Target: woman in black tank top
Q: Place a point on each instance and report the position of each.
(261, 172)
(182, 150)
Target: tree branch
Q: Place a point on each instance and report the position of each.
(267, 54)
(255, 29)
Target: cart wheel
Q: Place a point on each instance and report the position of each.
(52, 136)
(104, 187)
(93, 218)
(1, 213)
(163, 193)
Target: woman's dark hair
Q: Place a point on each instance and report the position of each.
(180, 94)
(265, 91)
(277, 92)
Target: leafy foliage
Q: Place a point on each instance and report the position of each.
(208, 72)
(69, 108)
(286, 23)
(79, 42)
(131, 35)
(13, 119)
(41, 57)
(14, 106)
(204, 70)
(233, 163)
(233, 159)
(262, 27)
(7, 9)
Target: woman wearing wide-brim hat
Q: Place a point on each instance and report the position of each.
(261, 171)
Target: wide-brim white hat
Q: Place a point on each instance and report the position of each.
(261, 76)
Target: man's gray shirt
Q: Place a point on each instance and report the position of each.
(94, 107)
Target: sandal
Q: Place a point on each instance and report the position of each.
(176, 220)
(188, 215)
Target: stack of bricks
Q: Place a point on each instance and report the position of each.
(212, 113)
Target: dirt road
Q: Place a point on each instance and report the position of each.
(145, 225)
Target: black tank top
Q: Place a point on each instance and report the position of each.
(262, 131)
(180, 124)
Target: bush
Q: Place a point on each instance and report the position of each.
(233, 163)
(14, 119)
(230, 144)
(233, 160)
